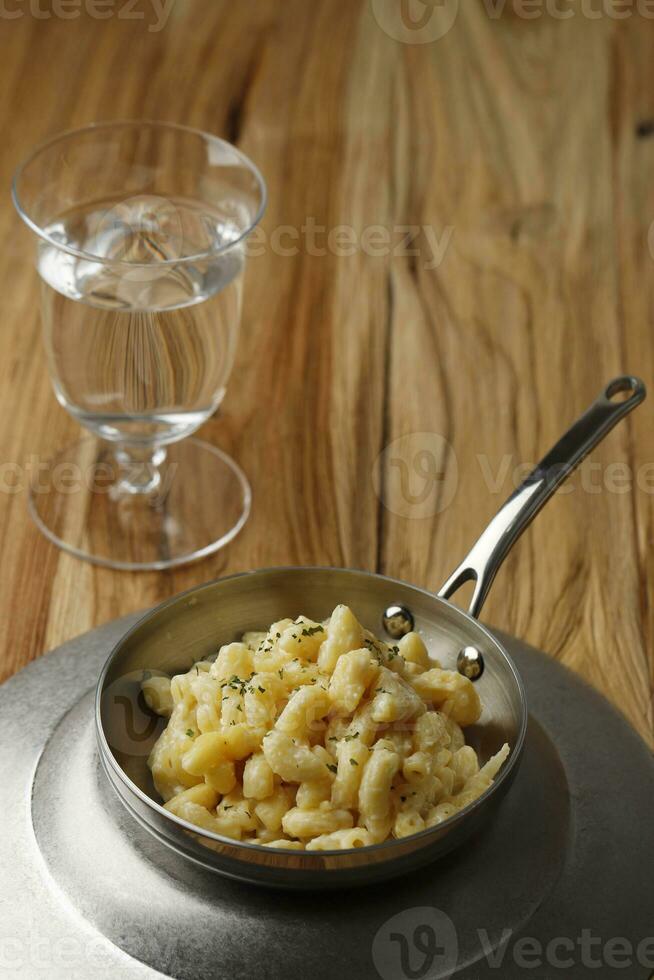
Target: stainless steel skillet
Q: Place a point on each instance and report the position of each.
(191, 626)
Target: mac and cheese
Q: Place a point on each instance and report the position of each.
(317, 736)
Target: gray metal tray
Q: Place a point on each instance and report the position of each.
(566, 868)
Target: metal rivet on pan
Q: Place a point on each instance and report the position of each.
(397, 621)
(470, 663)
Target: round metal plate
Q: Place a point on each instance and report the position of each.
(85, 891)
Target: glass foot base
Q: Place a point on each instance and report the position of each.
(201, 502)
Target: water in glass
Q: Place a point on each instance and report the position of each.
(141, 348)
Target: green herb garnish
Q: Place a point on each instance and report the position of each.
(312, 630)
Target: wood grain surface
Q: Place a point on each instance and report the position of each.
(521, 150)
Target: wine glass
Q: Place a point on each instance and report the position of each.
(140, 231)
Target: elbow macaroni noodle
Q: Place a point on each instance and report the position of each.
(317, 736)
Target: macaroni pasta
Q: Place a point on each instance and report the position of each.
(317, 736)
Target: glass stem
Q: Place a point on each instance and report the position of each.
(139, 469)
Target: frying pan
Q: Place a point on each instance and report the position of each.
(193, 625)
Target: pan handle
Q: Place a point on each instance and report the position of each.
(483, 561)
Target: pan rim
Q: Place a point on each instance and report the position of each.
(389, 845)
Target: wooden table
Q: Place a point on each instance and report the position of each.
(522, 151)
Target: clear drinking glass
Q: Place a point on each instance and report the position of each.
(140, 234)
